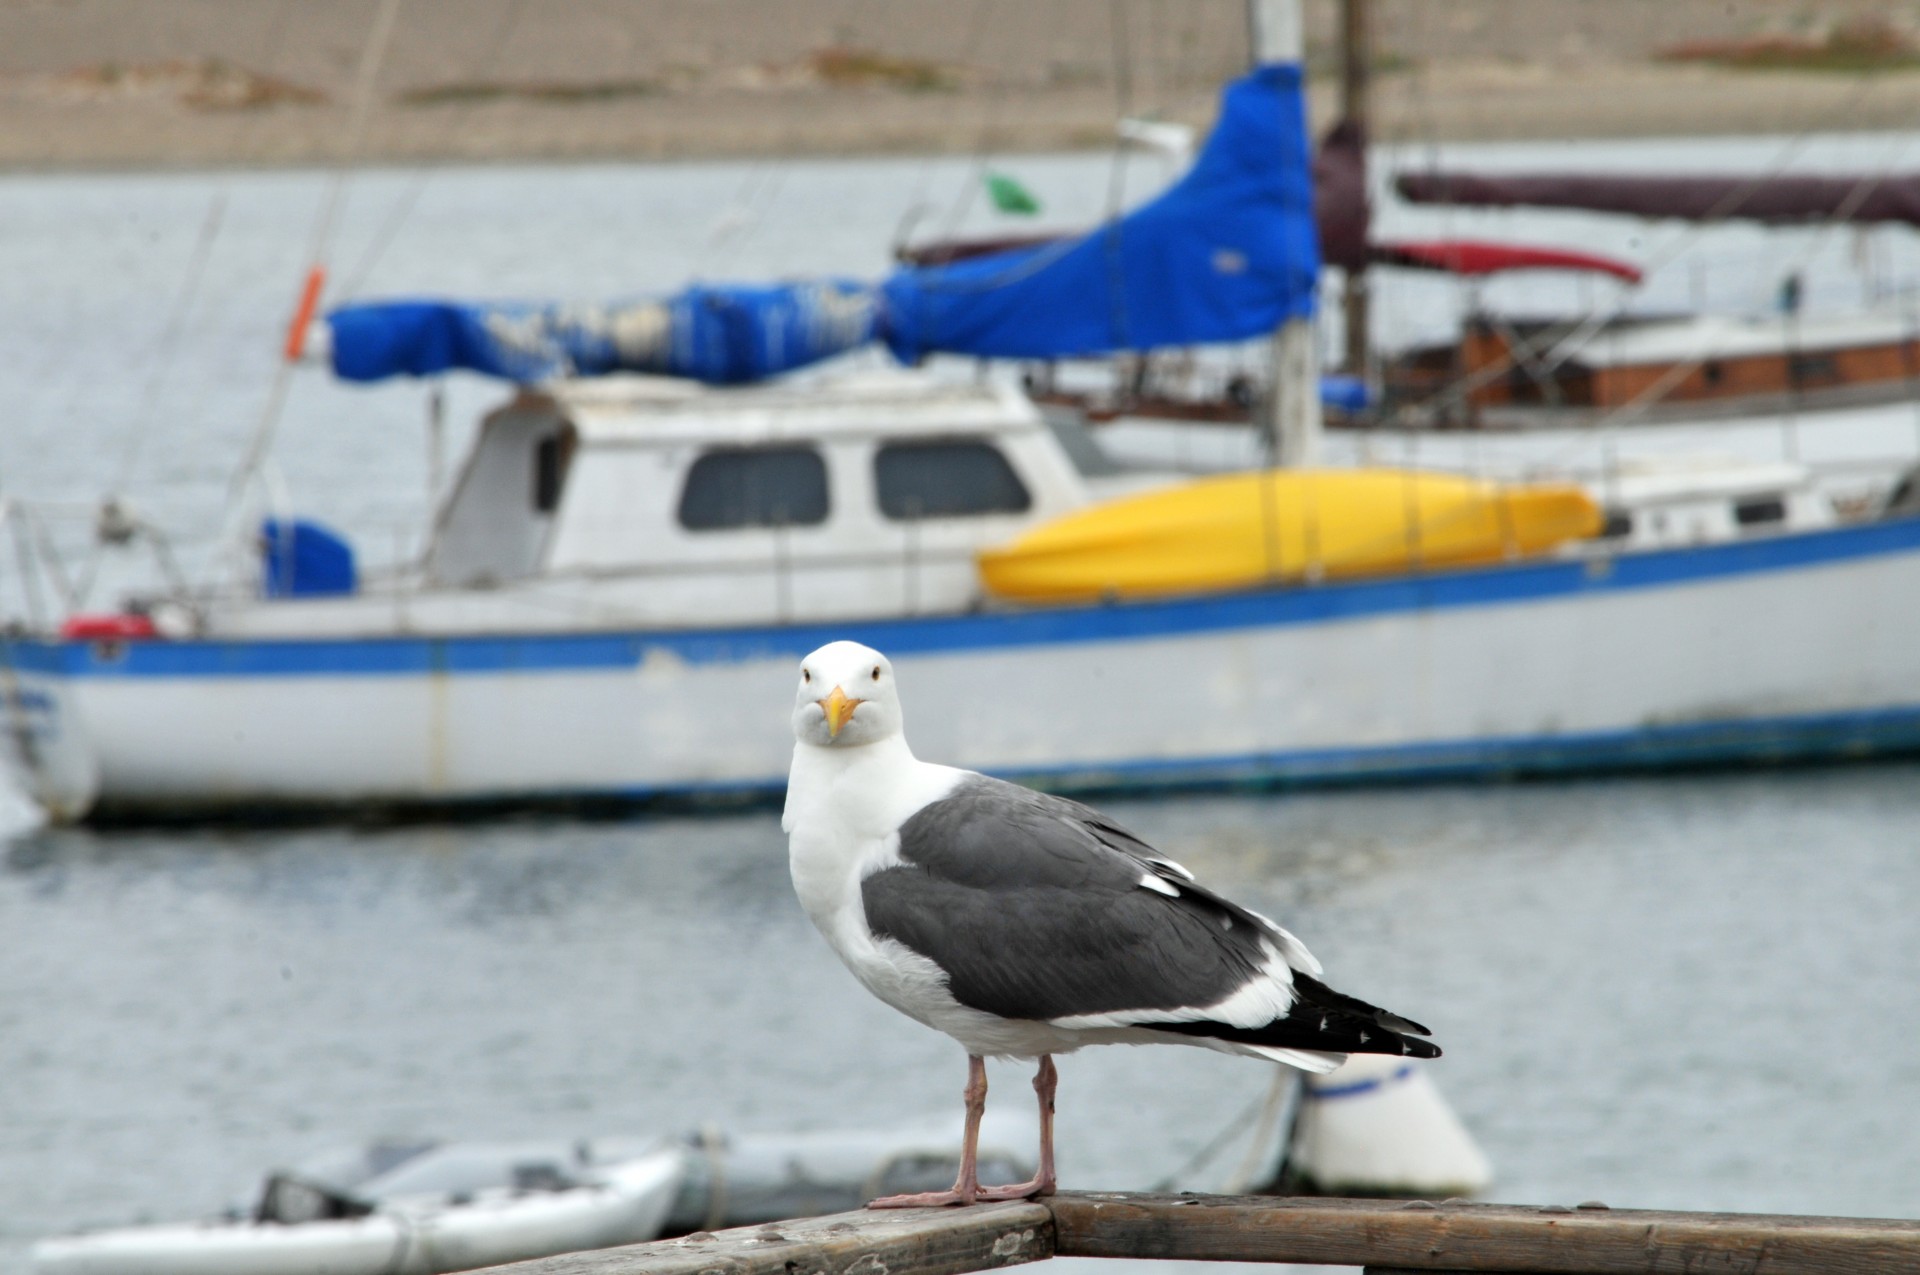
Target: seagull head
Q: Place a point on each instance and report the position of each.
(846, 697)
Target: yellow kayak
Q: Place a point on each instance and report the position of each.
(1282, 525)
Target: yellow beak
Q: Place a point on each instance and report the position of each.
(839, 709)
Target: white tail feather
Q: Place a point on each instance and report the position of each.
(1305, 1059)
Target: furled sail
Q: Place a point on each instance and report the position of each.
(722, 335)
(1859, 197)
(1342, 212)
(1227, 253)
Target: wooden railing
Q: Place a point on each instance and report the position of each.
(1384, 1236)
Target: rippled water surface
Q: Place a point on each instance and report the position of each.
(1696, 994)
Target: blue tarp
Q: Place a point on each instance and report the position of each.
(1227, 253)
(719, 334)
(303, 559)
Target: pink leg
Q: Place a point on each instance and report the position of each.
(1045, 1081)
(966, 1185)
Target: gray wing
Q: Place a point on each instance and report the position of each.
(1041, 908)
(1036, 908)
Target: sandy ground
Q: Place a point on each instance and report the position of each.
(119, 83)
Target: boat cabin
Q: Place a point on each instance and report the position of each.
(634, 501)
(1707, 499)
(1680, 362)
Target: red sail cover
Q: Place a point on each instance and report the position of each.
(1860, 197)
(1477, 257)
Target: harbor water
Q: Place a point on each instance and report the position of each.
(1690, 993)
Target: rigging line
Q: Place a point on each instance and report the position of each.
(243, 147)
(1117, 175)
(371, 58)
(246, 123)
(744, 214)
(1664, 384)
(1148, 71)
(963, 199)
(1122, 68)
(1651, 395)
(918, 202)
(1188, 80)
(456, 120)
(1247, 1116)
(253, 121)
(168, 347)
(244, 133)
(753, 194)
(1857, 195)
(761, 186)
(1553, 352)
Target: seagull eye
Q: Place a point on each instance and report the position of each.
(876, 672)
(805, 676)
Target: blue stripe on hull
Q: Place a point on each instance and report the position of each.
(1276, 608)
(1815, 739)
(1762, 740)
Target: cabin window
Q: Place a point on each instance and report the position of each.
(1749, 513)
(1812, 367)
(551, 457)
(1712, 372)
(947, 478)
(1619, 523)
(731, 487)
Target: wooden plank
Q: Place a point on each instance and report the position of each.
(1420, 1236)
(908, 1241)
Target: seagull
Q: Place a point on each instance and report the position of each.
(1025, 925)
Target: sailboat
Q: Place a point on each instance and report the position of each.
(1547, 370)
(673, 505)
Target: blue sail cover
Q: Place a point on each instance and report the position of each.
(1228, 253)
(722, 335)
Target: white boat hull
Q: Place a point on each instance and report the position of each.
(1795, 646)
(43, 748)
(631, 1205)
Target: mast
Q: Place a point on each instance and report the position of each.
(1356, 64)
(1291, 411)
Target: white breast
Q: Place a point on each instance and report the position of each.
(844, 809)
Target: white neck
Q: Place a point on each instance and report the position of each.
(829, 774)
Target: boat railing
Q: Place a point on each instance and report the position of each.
(1385, 1237)
(49, 583)
(41, 591)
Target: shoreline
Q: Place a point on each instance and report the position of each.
(1471, 106)
(129, 85)
(1461, 104)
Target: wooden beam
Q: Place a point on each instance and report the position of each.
(1387, 1237)
(1420, 1236)
(919, 1241)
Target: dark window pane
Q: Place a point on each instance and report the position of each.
(1812, 367)
(1762, 509)
(949, 478)
(755, 487)
(551, 457)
